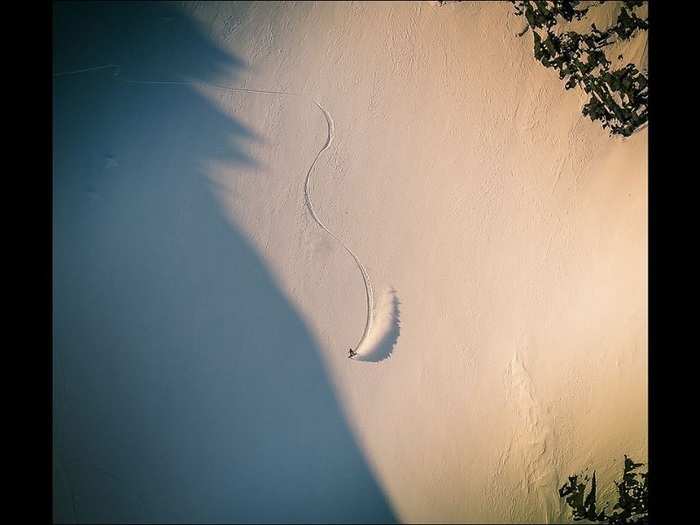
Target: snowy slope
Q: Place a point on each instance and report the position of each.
(504, 236)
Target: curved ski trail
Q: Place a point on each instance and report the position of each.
(359, 348)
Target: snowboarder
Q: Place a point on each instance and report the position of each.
(351, 353)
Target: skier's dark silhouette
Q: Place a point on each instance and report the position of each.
(351, 353)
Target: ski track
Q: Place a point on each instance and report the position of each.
(307, 196)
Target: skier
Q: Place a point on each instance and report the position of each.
(351, 353)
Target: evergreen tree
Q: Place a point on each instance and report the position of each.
(632, 504)
(618, 98)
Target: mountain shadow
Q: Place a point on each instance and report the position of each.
(176, 399)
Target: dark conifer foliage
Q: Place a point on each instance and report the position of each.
(632, 504)
(618, 98)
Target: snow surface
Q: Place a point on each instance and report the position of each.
(202, 317)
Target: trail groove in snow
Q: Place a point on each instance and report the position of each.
(380, 347)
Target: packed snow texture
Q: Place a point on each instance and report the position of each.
(202, 317)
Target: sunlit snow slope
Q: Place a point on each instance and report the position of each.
(504, 235)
